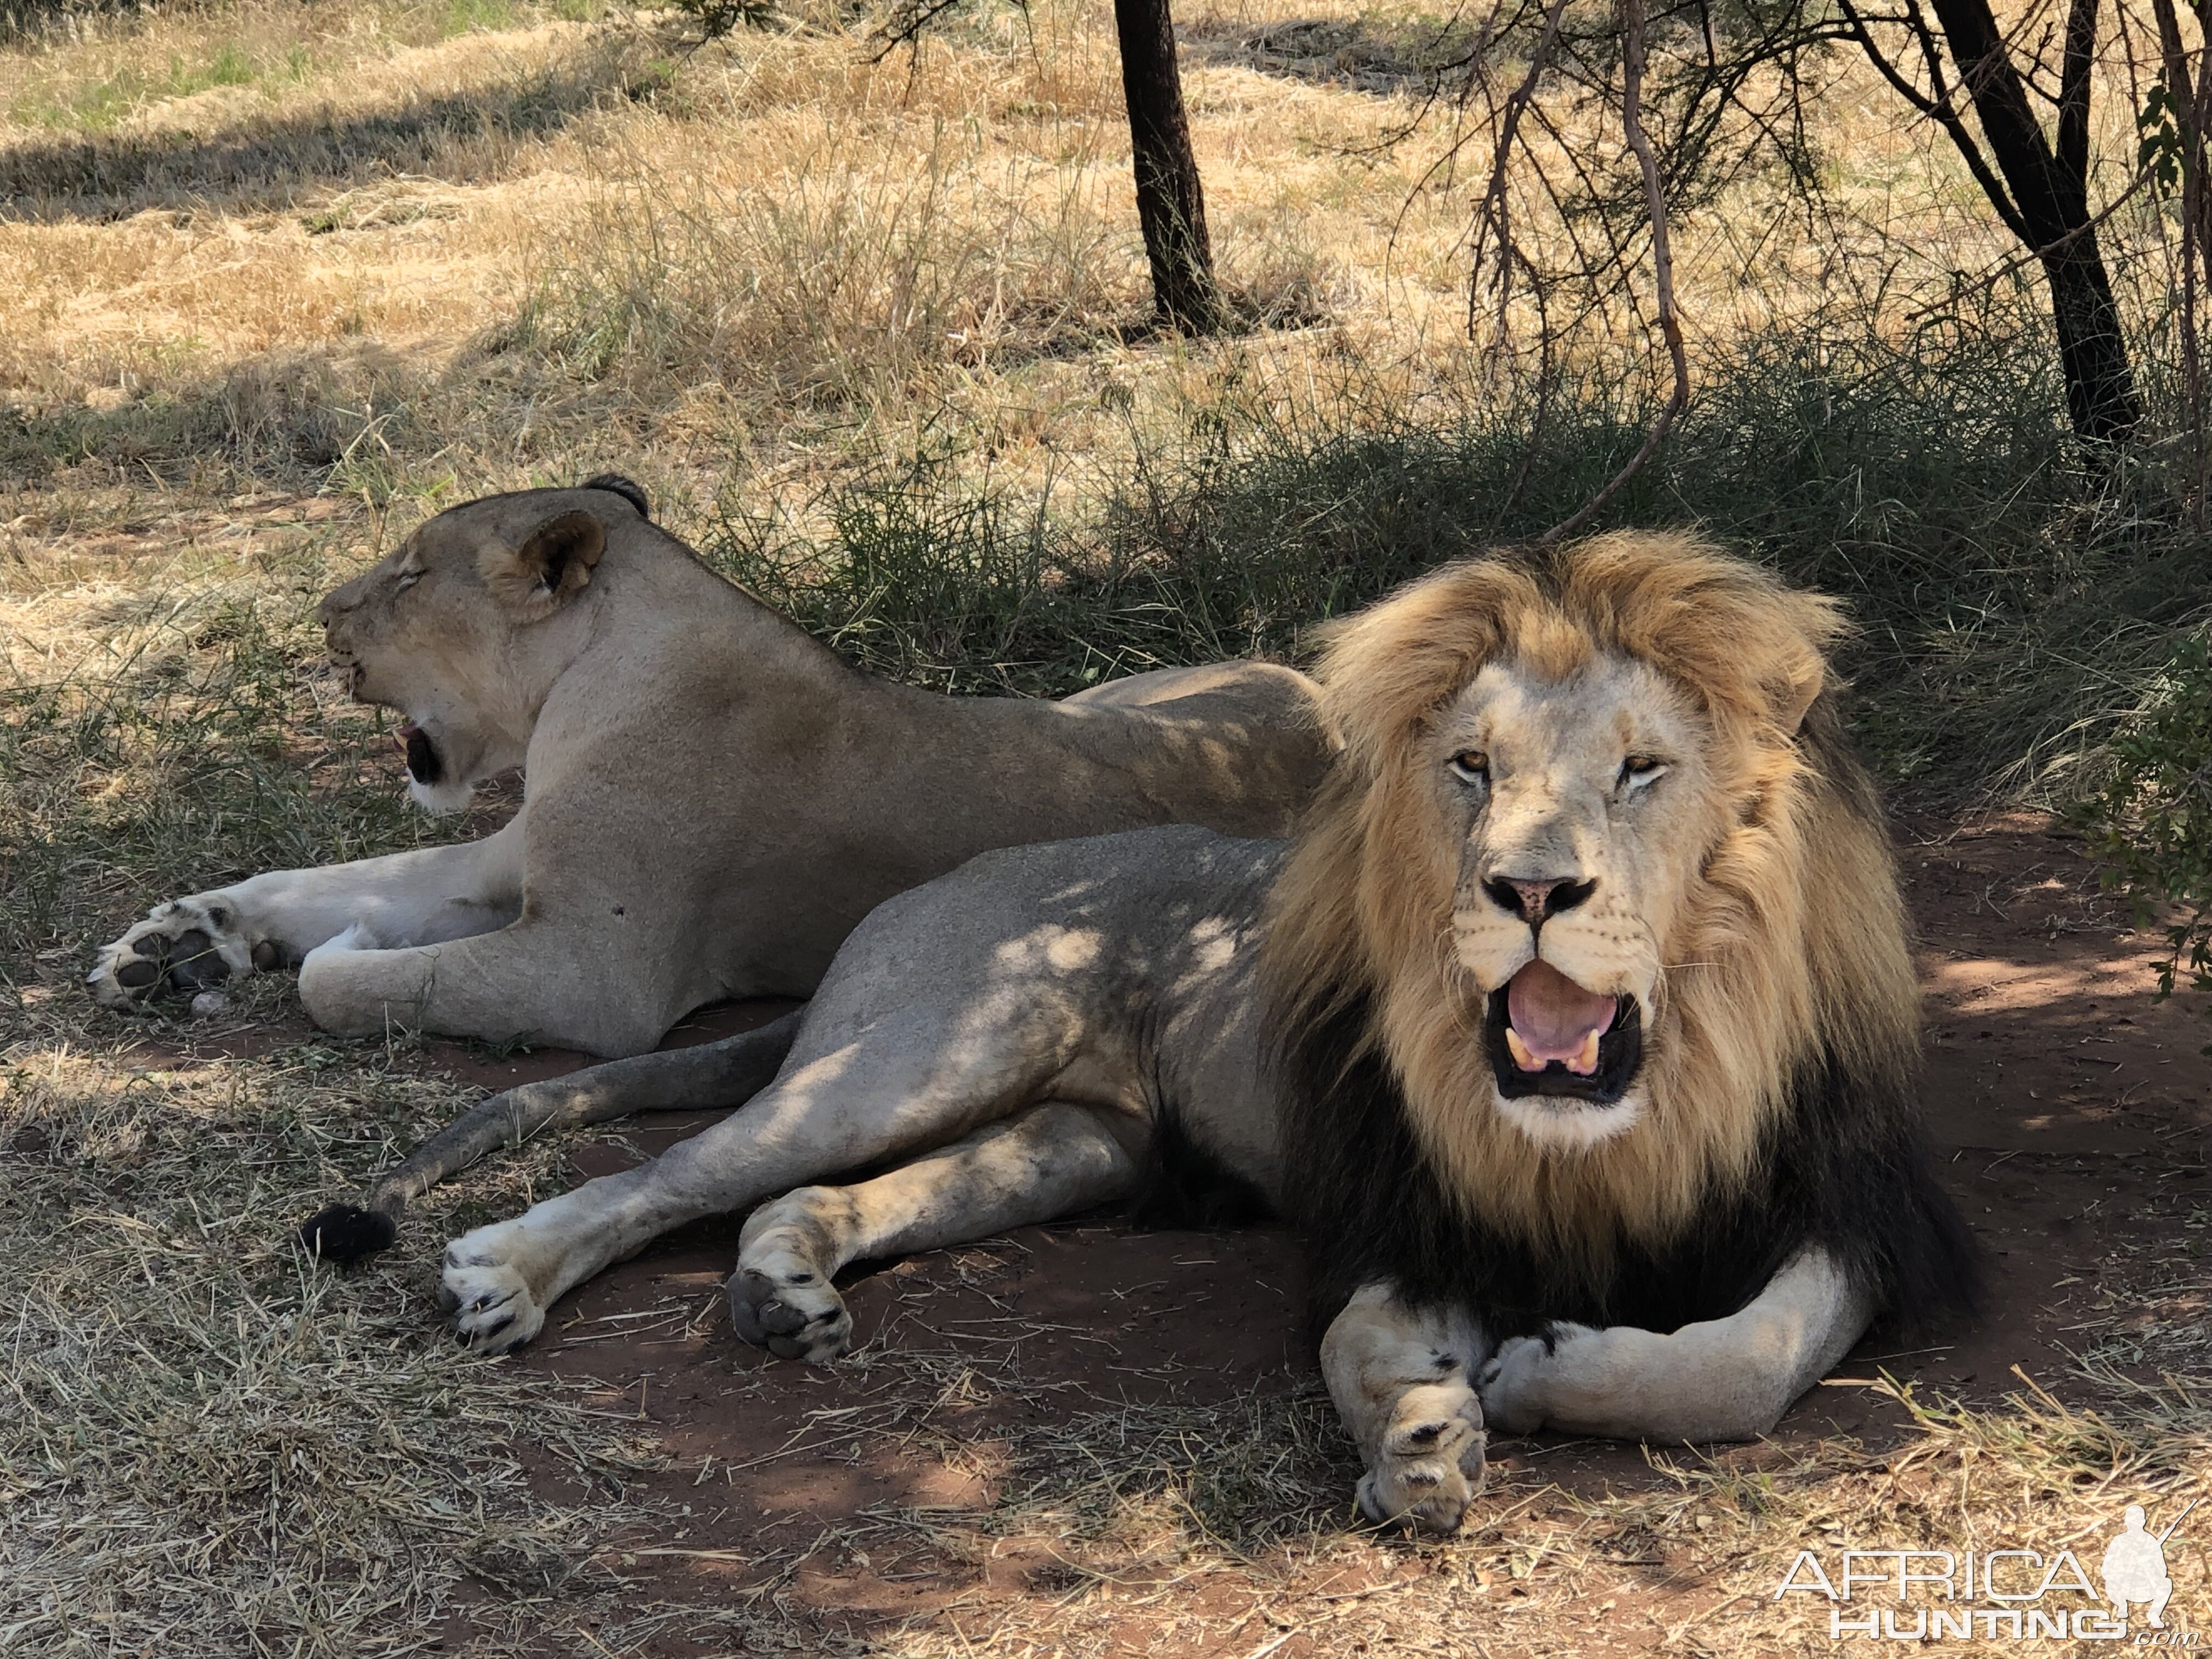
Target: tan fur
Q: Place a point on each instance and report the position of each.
(1790, 931)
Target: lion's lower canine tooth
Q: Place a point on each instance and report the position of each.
(1522, 1057)
(1586, 1060)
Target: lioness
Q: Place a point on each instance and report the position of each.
(713, 798)
(1576, 1029)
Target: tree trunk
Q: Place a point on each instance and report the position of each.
(2100, 389)
(1171, 205)
(2049, 208)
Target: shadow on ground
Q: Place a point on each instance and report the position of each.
(461, 137)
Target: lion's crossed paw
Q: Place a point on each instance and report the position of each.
(495, 1308)
(183, 947)
(779, 1302)
(1432, 1463)
(1516, 1385)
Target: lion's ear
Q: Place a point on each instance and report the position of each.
(551, 566)
(1796, 691)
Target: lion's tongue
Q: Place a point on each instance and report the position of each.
(1552, 1018)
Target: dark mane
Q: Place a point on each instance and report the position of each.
(1845, 1166)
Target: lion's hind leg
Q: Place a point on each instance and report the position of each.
(851, 1095)
(710, 1074)
(1050, 1161)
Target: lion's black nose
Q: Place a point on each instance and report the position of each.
(1536, 899)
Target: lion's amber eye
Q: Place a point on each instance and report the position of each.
(1641, 769)
(1471, 766)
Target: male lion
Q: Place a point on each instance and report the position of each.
(713, 797)
(1577, 1029)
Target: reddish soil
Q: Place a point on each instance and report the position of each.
(2069, 1110)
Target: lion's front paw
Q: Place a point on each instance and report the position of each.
(1516, 1385)
(794, 1313)
(183, 947)
(1431, 1464)
(487, 1283)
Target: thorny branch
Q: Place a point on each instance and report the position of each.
(905, 25)
(1662, 269)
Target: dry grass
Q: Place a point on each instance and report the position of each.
(209, 1446)
(471, 251)
(1225, 1528)
(278, 279)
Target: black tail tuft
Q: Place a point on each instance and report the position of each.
(346, 1232)
(615, 484)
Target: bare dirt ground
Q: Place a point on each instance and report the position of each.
(2070, 1111)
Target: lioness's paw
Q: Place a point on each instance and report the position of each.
(183, 947)
(1516, 1385)
(794, 1313)
(495, 1308)
(1432, 1464)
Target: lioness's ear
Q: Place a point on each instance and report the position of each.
(550, 567)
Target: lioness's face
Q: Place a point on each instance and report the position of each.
(1583, 806)
(460, 630)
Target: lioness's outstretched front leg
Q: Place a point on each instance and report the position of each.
(1402, 1380)
(273, 921)
(1720, 1379)
(1052, 1160)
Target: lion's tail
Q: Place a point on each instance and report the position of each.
(724, 1073)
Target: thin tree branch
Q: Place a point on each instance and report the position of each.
(2073, 145)
(2036, 252)
(1940, 109)
(2189, 102)
(1662, 269)
(1491, 210)
(906, 25)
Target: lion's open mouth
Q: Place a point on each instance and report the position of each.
(1547, 1036)
(424, 763)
